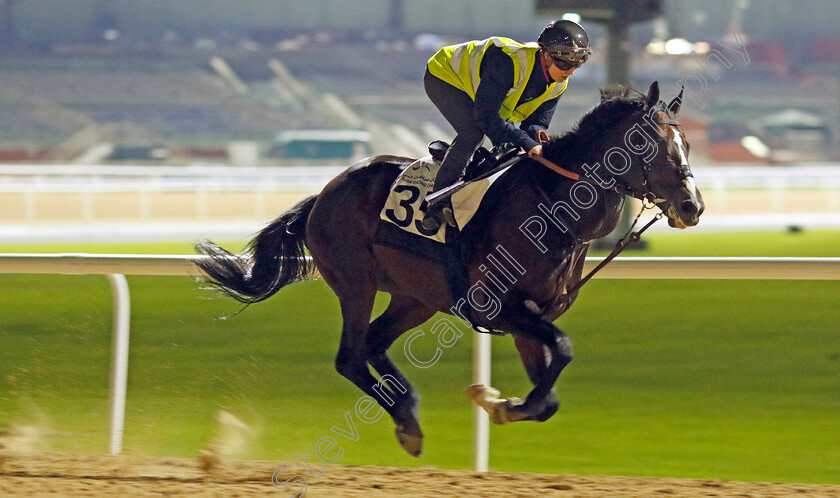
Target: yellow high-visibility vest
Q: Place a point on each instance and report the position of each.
(459, 65)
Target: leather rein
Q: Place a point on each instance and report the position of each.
(630, 237)
(557, 169)
(648, 199)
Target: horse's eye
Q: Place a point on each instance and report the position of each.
(637, 140)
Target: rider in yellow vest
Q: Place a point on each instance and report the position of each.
(502, 89)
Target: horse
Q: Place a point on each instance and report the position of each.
(630, 144)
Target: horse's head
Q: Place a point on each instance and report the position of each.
(658, 169)
(639, 140)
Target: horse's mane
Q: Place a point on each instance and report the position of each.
(616, 103)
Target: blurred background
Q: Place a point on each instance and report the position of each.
(199, 83)
(139, 126)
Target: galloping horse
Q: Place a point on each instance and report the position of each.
(629, 144)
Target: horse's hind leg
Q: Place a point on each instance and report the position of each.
(351, 361)
(402, 314)
(356, 301)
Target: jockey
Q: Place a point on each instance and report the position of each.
(488, 87)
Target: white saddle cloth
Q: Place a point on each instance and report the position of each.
(402, 208)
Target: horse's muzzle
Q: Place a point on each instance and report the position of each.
(685, 213)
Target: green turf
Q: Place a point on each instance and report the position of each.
(725, 379)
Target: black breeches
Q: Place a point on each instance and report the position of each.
(458, 108)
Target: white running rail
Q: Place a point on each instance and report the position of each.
(134, 178)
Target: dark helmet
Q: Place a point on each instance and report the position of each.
(565, 41)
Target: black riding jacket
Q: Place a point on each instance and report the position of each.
(496, 73)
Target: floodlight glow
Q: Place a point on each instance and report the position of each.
(678, 46)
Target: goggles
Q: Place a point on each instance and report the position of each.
(568, 57)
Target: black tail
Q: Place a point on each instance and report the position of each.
(274, 259)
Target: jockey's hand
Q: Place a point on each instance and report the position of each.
(536, 151)
(542, 137)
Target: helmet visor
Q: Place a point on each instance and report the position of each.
(566, 58)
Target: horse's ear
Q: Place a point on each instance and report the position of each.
(604, 94)
(674, 106)
(653, 95)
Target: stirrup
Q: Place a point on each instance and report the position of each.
(434, 219)
(449, 216)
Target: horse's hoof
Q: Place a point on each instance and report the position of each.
(506, 411)
(488, 398)
(482, 394)
(412, 443)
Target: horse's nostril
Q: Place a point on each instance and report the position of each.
(688, 208)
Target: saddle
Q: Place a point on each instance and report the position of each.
(400, 218)
(482, 161)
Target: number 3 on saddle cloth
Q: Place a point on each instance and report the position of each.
(400, 219)
(405, 205)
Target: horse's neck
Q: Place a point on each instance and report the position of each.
(602, 217)
(609, 216)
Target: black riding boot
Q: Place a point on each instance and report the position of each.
(440, 212)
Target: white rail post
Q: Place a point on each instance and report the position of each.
(119, 357)
(481, 421)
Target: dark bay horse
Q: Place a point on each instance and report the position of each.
(629, 144)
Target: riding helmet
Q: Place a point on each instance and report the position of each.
(566, 39)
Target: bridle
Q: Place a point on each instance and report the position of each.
(647, 195)
(648, 198)
(660, 119)
(619, 186)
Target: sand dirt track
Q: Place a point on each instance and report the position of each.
(66, 474)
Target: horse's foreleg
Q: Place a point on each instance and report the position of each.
(402, 314)
(541, 403)
(536, 358)
(545, 351)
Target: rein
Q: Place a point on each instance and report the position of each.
(623, 190)
(629, 238)
(557, 169)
